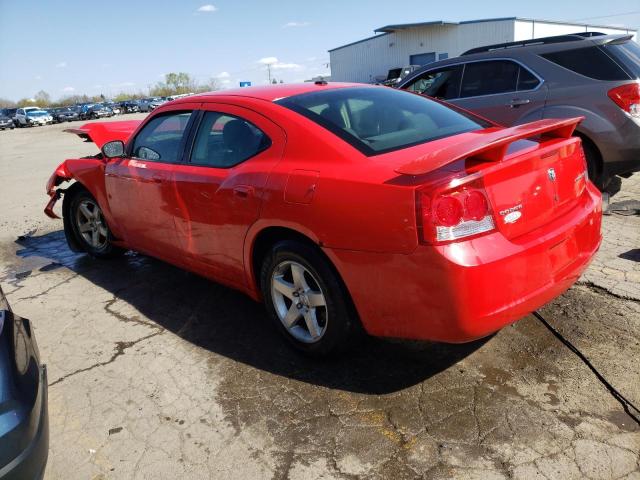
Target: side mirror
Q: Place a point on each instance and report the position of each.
(113, 149)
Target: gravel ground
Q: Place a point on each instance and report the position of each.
(156, 373)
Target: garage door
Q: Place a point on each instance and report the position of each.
(422, 58)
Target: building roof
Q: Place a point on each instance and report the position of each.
(404, 26)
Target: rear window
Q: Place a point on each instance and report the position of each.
(380, 120)
(591, 62)
(626, 54)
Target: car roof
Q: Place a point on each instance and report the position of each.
(270, 92)
(521, 50)
(534, 46)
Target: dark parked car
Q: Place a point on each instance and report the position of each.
(11, 113)
(94, 111)
(591, 75)
(24, 419)
(63, 114)
(6, 121)
(130, 106)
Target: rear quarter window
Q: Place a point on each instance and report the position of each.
(626, 54)
(590, 62)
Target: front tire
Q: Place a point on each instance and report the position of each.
(89, 227)
(306, 299)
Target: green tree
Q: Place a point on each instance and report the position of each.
(27, 102)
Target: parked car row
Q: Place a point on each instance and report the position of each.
(11, 118)
(33, 116)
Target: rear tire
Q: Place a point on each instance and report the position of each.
(594, 164)
(89, 227)
(305, 299)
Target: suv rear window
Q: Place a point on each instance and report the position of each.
(591, 62)
(380, 120)
(627, 54)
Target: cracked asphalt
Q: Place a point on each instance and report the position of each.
(156, 373)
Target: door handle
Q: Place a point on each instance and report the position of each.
(243, 191)
(157, 179)
(516, 102)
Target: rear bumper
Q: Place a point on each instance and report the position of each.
(467, 290)
(31, 463)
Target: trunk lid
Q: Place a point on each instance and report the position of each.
(534, 186)
(531, 173)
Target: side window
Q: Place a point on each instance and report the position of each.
(591, 62)
(20, 111)
(224, 140)
(160, 139)
(527, 80)
(488, 78)
(443, 83)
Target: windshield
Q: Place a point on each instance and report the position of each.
(628, 54)
(36, 113)
(380, 120)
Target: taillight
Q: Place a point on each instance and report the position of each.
(627, 97)
(451, 213)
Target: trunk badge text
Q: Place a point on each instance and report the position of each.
(511, 215)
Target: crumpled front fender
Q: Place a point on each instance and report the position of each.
(60, 175)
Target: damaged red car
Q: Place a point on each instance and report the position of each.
(343, 205)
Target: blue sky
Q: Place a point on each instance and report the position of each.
(71, 47)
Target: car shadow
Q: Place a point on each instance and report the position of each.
(633, 255)
(228, 323)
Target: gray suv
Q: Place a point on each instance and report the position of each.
(588, 74)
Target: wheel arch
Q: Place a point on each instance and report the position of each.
(599, 161)
(266, 237)
(263, 237)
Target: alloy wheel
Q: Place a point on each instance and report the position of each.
(91, 225)
(299, 301)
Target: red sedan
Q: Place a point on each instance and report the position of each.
(343, 204)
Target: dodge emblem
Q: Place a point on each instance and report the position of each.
(552, 174)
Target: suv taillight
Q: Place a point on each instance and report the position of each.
(627, 97)
(451, 213)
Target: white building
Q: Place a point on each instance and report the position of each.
(397, 46)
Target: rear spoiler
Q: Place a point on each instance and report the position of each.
(488, 146)
(103, 132)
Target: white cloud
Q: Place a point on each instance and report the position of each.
(278, 65)
(61, 64)
(286, 66)
(38, 77)
(222, 75)
(268, 60)
(68, 89)
(295, 24)
(208, 8)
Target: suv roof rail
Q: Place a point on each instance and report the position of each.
(590, 34)
(534, 41)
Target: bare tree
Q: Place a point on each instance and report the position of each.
(42, 98)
